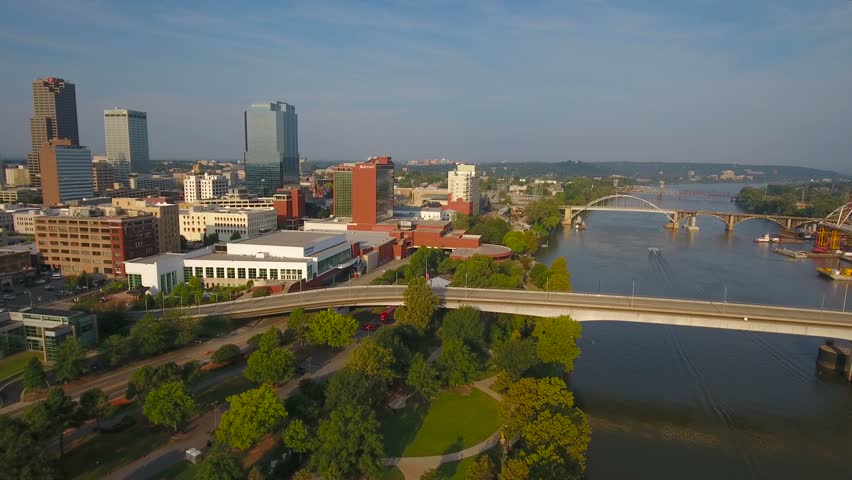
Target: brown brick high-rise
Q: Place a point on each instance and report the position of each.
(54, 116)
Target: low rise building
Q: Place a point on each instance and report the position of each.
(202, 187)
(167, 215)
(103, 176)
(43, 330)
(23, 220)
(18, 176)
(147, 181)
(198, 221)
(19, 195)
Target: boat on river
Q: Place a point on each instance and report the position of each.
(767, 239)
(836, 274)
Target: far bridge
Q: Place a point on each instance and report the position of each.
(676, 218)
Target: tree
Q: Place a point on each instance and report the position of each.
(226, 353)
(430, 474)
(256, 474)
(235, 236)
(516, 357)
(169, 404)
(349, 439)
(151, 336)
(148, 378)
(539, 275)
(22, 457)
(424, 260)
(331, 328)
(270, 339)
(116, 350)
(270, 365)
(492, 230)
(70, 360)
(298, 322)
(251, 415)
(544, 212)
(51, 416)
(220, 463)
(112, 320)
(515, 241)
(297, 438)
(464, 324)
(420, 304)
(303, 474)
(260, 292)
(373, 361)
(94, 404)
(182, 328)
(557, 340)
(397, 341)
(515, 469)
(34, 376)
(422, 377)
(458, 363)
(559, 279)
(483, 469)
(348, 386)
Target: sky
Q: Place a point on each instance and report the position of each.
(756, 81)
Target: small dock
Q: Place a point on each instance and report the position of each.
(792, 253)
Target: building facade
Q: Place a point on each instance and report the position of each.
(43, 330)
(103, 176)
(167, 215)
(18, 195)
(126, 133)
(24, 220)
(66, 171)
(17, 176)
(271, 147)
(198, 221)
(342, 190)
(147, 181)
(54, 116)
(89, 241)
(463, 186)
(372, 190)
(203, 187)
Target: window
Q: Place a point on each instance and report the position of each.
(199, 272)
(134, 280)
(273, 274)
(220, 272)
(187, 273)
(262, 273)
(252, 273)
(231, 273)
(241, 273)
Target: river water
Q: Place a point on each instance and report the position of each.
(682, 402)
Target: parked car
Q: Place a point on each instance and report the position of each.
(386, 316)
(56, 276)
(49, 287)
(40, 281)
(369, 327)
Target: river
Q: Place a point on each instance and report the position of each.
(681, 402)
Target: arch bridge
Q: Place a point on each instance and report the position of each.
(630, 203)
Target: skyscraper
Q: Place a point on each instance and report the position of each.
(464, 190)
(364, 191)
(54, 116)
(126, 140)
(66, 171)
(272, 147)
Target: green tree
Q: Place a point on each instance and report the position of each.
(422, 377)
(70, 360)
(151, 336)
(420, 304)
(298, 322)
(515, 241)
(270, 339)
(148, 378)
(464, 324)
(256, 474)
(34, 376)
(250, 415)
(235, 236)
(559, 278)
(270, 365)
(515, 469)
(349, 439)
(483, 469)
(373, 361)
(557, 340)
(220, 463)
(491, 230)
(539, 275)
(226, 353)
(426, 259)
(332, 329)
(397, 341)
(516, 357)
(182, 328)
(116, 350)
(303, 474)
(51, 416)
(544, 212)
(22, 454)
(261, 292)
(169, 404)
(348, 386)
(297, 438)
(458, 363)
(94, 404)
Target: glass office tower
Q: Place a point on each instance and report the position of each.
(272, 147)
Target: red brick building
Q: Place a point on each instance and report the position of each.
(289, 204)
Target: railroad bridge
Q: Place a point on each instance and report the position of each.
(630, 203)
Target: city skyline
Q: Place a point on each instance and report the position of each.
(591, 81)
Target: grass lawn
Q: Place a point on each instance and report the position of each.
(107, 451)
(452, 422)
(457, 470)
(222, 390)
(392, 473)
(179, 471)
(16, 363)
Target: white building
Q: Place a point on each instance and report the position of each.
(198, 187)
(23, 220)
(17, 176)
(272, 259)
(463, 185)
(201, 220)
(126, 140)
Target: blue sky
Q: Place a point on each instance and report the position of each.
(755, 81)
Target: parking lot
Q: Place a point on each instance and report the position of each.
(42, 292)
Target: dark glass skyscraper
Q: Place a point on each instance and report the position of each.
(54, 116)
(272, 147)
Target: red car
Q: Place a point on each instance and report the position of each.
(370, 327)
(386, 316)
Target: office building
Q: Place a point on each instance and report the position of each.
(364, 191)
(289, 205)
(203, 187)
(167, 215)
(463, 186)
(272, 259)
(18, 195)
(126, 134)
(342, 190)
(66, 171)
(201, 220)
(18, 176)
(54, 116)
(271, 147)
(94, 240)
(148, 181)
(43, 330)
(24, 219)
(103, 176)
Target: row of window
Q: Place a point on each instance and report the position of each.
(245, 273)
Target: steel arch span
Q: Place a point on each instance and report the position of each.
(622, 203)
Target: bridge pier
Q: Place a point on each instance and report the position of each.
(692, 224)
(729, 223)
(675, 223)
(566, 216)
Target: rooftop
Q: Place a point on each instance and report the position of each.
(55, 312)
(247, 258)
(153, 258)
(289, 238)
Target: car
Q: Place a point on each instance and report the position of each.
(369, 327)
(40, 281)
(56, 276)
(102, 300)
(386, 316)
(208, 352)
(49, 287)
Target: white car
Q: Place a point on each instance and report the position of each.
(56, 276)
(40, 281)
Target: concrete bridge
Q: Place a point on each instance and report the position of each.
(629, 203)
(581, 307)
